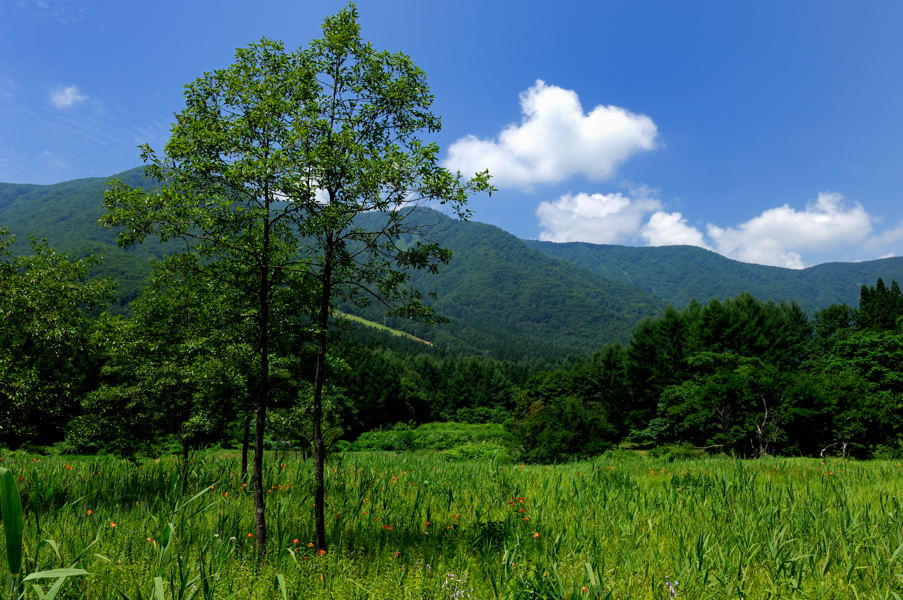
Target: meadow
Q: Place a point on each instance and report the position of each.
(416, 525)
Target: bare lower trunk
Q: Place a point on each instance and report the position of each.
(263, 392)
(259, 516)
(245, 442)
(319, 380)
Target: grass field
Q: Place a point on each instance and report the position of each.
(416, 526)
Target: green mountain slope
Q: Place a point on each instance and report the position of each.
(66, 215)
(501, 297)
(678, 274)
(507, 299)
(504, 296)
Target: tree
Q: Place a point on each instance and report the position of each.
(873, 415)
(553, 423)
(266, 174)
(880, 307)
(46, 301)
(733, 402)
(364, 154)
(172, 371)
(234, 185)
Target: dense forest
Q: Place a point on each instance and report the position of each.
(740, 376)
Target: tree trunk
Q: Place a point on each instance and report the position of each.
(245, 441)
(319, 380)
(263, 392)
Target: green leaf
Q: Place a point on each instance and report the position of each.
(13, 522)
(55, 573)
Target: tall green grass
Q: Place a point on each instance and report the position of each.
(418, 526)
(12, 517)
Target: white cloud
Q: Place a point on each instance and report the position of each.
(779, 236)
(555, 140)
(890, 237)
(66, 96)
(827, 229)
(595, 218)
(671, 229)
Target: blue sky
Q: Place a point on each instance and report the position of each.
(768, 131)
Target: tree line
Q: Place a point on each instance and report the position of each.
(739, 376)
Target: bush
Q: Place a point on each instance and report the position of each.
(432, 436)
(889, 452)
(343, 446)
(562, 428)
(678, 452)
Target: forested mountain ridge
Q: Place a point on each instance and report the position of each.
(678, 274)
(512, 301)
(505, 297)
(66, 215)
(501, 297)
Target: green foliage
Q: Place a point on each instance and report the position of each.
(477, 451)
(11, 516)
(868, 395)
(13, 526)
(674, 452)
(174, 371)
(46, 304)
(434, 436)
(740, 376)
(880, 307)
(680, 274)
(552, 423)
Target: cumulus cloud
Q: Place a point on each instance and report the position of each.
(779, 236)
(66, 96)
(555, 140)
(596, 218)
(890, 237)
(671, 229)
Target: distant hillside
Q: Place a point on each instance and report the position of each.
(510, 300)
(678, 274)
(504, 297)
(66, 215)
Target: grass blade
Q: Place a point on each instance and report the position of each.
(13, 524)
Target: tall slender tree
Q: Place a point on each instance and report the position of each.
(372, 168)
(234, 185)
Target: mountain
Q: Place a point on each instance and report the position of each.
(507, 299)
(66, 215)
(678, 274)
(503, 296)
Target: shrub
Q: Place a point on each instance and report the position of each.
(432, 436)
(678, 452)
